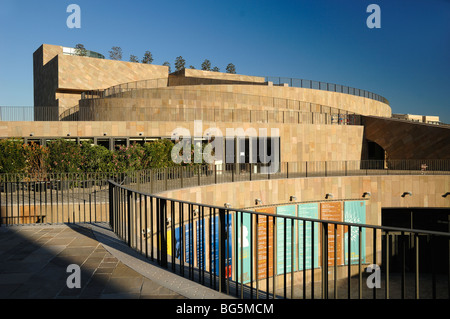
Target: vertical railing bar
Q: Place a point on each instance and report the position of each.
(416, 244)
(335, 261)
(433, 267)
(375, 257)
(285, 255)
(359, 261)
(312, 259)
(304, 260)
(349, 263)
(387, 264)
(252, 216)
(267, 257)
(403, 259)
(292, 258)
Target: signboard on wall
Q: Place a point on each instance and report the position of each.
(355, 212)
(307, 244)
(215, 246)
(284, 241)
(333, 211)
(264, 249)
(243, 238)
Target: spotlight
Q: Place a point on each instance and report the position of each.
(367, 194)
(446, 194)
(68, 134)
(31, 134)
(195, 212)
(406, 193)
(329, 195)
(258, 201)
(227, 205)
(293, 198)
(104, 134)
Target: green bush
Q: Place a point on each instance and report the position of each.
(12, 156)
(157, 154)
(126, 159)
(63, 156)
(36, 157)
(95, 158)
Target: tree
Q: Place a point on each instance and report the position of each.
(179, 63)
(134, 58)
(80, 50)
(215, 69)
(115, 53)
(206, 65)
(231, 68)
(148, 58)
(192, 67)
(167, 64)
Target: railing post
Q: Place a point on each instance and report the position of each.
(111, 205)
(165, 178)
(215, 173)
(287, 169)
(325, 260)
(129, 218)
(222, 250)
(162, 206)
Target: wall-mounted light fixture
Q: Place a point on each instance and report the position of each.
(227, 205)
(195, 212)
(168, 221)
(329, 195)
(31, 134)
(104, 134)
(258, 201)
(406, 193)
(293, 198)
(446, 194)
(140, 133)
(68, 134)
(367, 194)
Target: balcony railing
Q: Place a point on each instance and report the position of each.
(325, 86)
(82, 197)
(202, 242)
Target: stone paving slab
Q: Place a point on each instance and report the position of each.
(34, 261)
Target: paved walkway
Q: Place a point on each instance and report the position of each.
(34, 261)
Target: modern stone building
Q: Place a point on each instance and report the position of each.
(318, 124)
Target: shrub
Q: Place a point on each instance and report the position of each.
(12, 157)
(158, 154)
(64, 156)
(95, 158)
(36, 157)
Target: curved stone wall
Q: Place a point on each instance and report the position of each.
(385, 191)
(247, 97)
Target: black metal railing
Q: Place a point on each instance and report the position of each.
(251, 254)
(325, 86)
(83, 197)
(109, 113)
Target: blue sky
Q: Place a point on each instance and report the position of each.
(407, 60)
